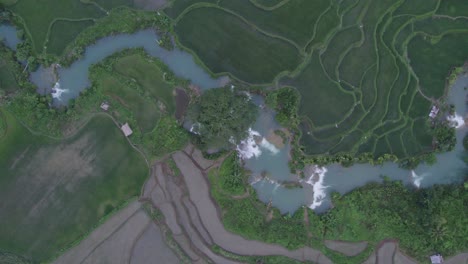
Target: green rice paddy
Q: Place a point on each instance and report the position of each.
(368, 74)
(53, 24)
(8, 72)
(253, 56)
(55, 191)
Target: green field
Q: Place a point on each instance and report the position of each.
(149, 76)
(62, 32)
(53, 24)
(370, 70)
(227, 44)
(55, 191)
(38, 23)
(9, 69)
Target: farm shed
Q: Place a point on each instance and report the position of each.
(126, 130)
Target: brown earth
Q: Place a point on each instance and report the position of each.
(127, 237)
(275, 139)
(182, 102)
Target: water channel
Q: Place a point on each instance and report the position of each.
(74, 79)
(268, 162)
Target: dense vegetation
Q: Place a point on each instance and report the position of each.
(286, 103)
(232, 177)
(366, 79)
(424, 221)
(222, 117)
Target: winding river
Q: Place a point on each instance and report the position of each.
(268, 163)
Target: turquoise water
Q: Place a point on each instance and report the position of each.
(74, 79)
(270, 165)
(8, 36)
(450, 168)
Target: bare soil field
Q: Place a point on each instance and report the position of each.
(385, 252)
(150, 248)
(129, 236)
(100, 234)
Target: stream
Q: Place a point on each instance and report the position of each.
(267, 162)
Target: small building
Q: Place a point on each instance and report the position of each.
(434, 111)
(437, 259)
(126, 130)
(105, 106)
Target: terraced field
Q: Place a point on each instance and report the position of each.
(368, 71)
(58, 22)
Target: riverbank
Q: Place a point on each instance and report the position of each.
(182, 196)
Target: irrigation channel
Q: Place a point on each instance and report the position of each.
(268, 162)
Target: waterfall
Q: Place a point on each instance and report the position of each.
(318, 186)
(456, 120)
(57, 91)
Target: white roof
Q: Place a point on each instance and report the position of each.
(436, 259)
(126, 130)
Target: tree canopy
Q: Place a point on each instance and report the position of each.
(222, 116)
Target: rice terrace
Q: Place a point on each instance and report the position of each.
(234, 131)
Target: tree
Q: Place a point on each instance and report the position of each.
(223, 117)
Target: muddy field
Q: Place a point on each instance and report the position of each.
(129, 236)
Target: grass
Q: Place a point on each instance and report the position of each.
(342, 41)
(453, 7)
(63, 32)
(9, 69)
(38, 23)
(231, 177)
(295, 20)
(325, 25)
(137, 67)
(144, 110)
(432, 63)
(109, 4)
(69, 184)
(227, 44)
(177, 7)
(166, 137)
(357, 68)
(319, 93)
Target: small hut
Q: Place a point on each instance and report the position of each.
(126, 130)
(434, 112)
(437, 259)
(105, 106)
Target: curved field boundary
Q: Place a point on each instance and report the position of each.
(255, 27)
(198, 191)
(200, 62)
(269, 8)
(44, 45)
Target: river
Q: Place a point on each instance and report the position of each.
(74, 79)
(9, 36)
(267, 162)
(320, 182)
